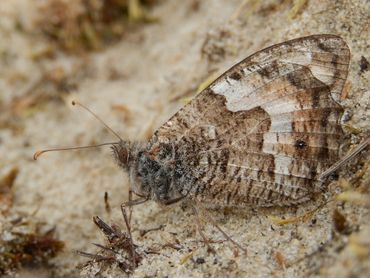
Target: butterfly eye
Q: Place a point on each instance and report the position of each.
(123, 155)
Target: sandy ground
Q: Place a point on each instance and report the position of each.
(135, 85)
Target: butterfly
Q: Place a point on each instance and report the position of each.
(260, 135)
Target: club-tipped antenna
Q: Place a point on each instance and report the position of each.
(39, 153)
(97, 117)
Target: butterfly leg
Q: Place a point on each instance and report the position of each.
(131, 202)
(128, 226)
(350, 155)
(196, 205)
(200, 227)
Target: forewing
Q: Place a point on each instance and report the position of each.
(264, 130)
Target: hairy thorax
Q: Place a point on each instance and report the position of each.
(156, 171)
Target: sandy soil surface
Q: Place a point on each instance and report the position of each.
(135, 85)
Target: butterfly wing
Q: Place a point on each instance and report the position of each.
(264, 130)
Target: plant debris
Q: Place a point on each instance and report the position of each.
(364, 65)
(298, 6)
(23, 243)
(340, 222)
(120, 249)
(81, 25)
(280, 259)
(24, 240)
(296, 219)
(6, 193)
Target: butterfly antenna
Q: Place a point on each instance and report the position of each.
(98, 118)
(39, 153)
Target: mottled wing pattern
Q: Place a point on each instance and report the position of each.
(262, 133)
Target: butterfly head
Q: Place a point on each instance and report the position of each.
(127, 156)
(121, 153)
(153, 173)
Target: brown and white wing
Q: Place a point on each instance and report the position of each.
(264, 130)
